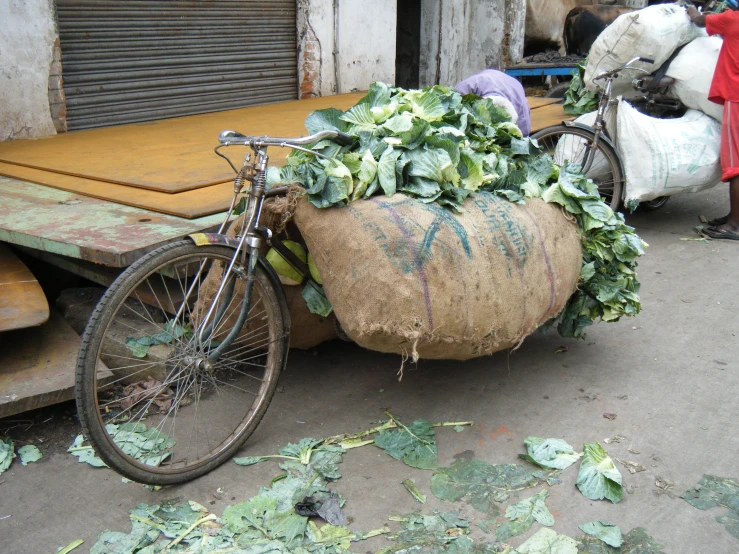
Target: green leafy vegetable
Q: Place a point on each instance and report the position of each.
(149, 446)
(712, 492)
(549, 453)
(438, 146)
(173, 331)
(598, 478)
(579, 100)
(410, 485)
(414, 444)
(608, 533)
(521, 516)
(7, 453)
(480, 484)
(28, 454)
(546, 541)
(635, 542)
(316, 299)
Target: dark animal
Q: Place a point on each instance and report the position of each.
(584, 23)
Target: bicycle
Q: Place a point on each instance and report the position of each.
(181, 356)
(592, 148)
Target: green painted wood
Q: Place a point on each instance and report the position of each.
(86, 228)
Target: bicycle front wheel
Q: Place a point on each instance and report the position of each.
(573, 145)
(151, 402)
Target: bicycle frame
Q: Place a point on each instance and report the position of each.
(253, 236)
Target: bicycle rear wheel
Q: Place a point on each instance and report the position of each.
(573, 145)
(152, 405)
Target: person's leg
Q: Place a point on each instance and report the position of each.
(733, 221)
(728, 226)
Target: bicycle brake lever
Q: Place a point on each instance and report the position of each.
(230, 136)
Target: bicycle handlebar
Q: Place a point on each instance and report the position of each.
(232, 137)
(627, 65)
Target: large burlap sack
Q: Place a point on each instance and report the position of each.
(307, 329)
(412, 278)
(654, 32)
(693, 70)
(663, 157)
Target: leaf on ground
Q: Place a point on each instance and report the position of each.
(479, 483)
(7, 453)
(29, 454)
(608, 533)
(414, 444)
(549, 453)
(712, 492)
(547, 541)
(250, 460)
(410, 485)
(521, 516)
(635, 542)
(598, 477)
(85, 454)
(438, 533)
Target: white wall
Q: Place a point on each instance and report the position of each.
(462, 37)
(27, 35)
(367, 37)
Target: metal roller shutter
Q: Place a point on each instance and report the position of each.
(125, 61)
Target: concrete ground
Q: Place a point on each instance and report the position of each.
(670, 375)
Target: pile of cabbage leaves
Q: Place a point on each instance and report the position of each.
(436, 145)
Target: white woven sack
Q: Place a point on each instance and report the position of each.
(693, 70)
(663, 157)
(654, 32)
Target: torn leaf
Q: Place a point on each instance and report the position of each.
(522, 515)
(608, 533)
(410, 485)
(547, 541)
(29, 454)
(712, 492)
(633, 467)
(635, 542)
(479, 483)
(549, 453)
(7, 453)
(414, 444)
(598, 477)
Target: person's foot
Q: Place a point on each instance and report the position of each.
(723, 232)
(719, 221)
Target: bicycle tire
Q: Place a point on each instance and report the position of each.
(654, 205)
(165, 398)
(570, 144)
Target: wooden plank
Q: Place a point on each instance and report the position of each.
(22, 301)
(37, 366)
(548, 116)
(171, 155)
(87, 228)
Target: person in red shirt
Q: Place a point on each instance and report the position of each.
(725, 90)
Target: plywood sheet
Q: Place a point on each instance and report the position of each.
(22, 301)
(189, 204)
(171, 155)
(86, 228)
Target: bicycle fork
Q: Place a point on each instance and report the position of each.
(248, 248)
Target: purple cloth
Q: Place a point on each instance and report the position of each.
(493, 82)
